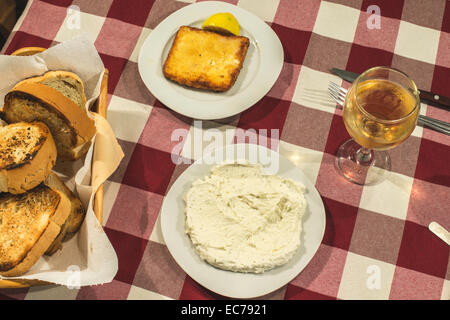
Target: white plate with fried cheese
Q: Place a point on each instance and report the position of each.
(260, 69)
(235, 281)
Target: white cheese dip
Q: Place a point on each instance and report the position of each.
(242, 220)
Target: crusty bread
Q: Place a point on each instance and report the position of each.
(76, 217)
(60, 104)
(29, 223)
(67, 83)
(27, 155)
(205, 59)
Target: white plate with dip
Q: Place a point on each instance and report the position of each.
(261, 68)
(228, 283)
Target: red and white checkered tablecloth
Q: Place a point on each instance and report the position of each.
(371, 231)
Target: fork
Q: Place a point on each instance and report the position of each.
(338, 94)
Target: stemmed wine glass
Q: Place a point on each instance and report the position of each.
(380, 111)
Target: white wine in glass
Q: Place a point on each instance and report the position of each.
(380, 111)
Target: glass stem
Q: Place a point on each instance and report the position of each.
(364, 156)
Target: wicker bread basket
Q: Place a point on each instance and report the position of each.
(100, 107)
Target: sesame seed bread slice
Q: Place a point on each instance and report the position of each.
(27, 156)
(29, 223)
(43, 99)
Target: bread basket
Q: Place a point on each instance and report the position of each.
(100, 107)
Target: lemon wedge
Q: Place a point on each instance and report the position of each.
(223, 22)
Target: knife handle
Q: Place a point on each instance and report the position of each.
(435, 99)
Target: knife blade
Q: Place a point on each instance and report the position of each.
(425, 96)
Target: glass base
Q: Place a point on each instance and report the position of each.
(360, 165)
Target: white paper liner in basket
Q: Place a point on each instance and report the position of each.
(88, 258)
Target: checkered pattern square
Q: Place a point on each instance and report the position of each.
(158, 272)
(408, 46)
(164, 130)
(145, 32)
(421, 72)
(23, 39)
(337, 134)
(408, 284)
(339, 229)
(329, 21)
(424, 170)
(422, 251)
(255, 118)
(284, 87)
(400, 163)
(76, 22)
(211, 134)
(130, 250)
(265, 9)
(425, 14)
(443, 58)
(115, 31)
(388, 9)
(297, 15)
(113, 63)
(323, 274)
(324, 53)
(440, 74)
(99, 8)
(376, 243)
(365, 278)
(160, 10)
(136, 217)
(428, 202)
(308, 160)
(311, 89)
(146, 169)
(135, 12)
(40, 11)
(383, 38)
(362, 58)
(133, 114)
(131, 87)
(333, 186)
(300, 117)
(294, 51)
(445, 20)
(377, 236)
(390, 197)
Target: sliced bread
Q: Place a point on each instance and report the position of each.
(27, 156)
(29, 223)
(76, 217)
(56, 98)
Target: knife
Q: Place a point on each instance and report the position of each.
(425, 96)
(439, 230)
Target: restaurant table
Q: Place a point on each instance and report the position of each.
(376, 245)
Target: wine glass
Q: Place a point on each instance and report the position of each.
(380, 111)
